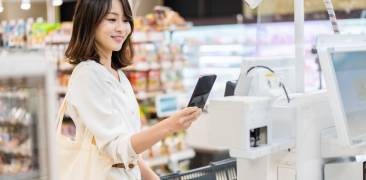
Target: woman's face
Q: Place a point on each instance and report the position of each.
(112, 32)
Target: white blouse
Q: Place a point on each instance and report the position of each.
(109, 110)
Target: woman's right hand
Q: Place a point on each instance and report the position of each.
(183, 119)
(179, 121)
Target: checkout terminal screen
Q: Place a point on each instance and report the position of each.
(350, 70)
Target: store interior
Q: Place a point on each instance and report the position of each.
(289, 121)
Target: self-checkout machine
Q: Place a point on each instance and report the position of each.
(330, 143)
(315, 136)
(257, 123)
(323, 144)
(343, 146)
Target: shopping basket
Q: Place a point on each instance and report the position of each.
(221, 170)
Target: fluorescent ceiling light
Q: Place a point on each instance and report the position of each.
(25, 5)
(57, 2)
(253, 3)
(1, 6)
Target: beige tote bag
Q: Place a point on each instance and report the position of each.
(80, 159)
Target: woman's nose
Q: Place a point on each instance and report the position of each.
(122, 26)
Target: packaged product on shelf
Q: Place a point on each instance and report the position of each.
(165, 149)
(180, 142)
(177, 52)
(153, 80)
(25, 34)
(163, 18)
(138, 80)
(164, 54)
(19, 36)
(10, 31)
(40, 32)
(171, 79)
(60, 35)
(63, 79)
(28, 33)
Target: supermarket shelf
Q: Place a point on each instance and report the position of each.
(14, 124)
(66, 42)
(175, 157)
(139, 95)
(29, 175)
(147, 95)
(143, 66)
(162, 66)
(138, 42)
(15, 151)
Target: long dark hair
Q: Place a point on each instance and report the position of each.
(87, 16)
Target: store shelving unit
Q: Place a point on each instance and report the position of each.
(27, 117)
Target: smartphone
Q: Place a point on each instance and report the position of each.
(202, 91)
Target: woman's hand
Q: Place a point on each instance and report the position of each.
(177, 122)
(183, 119)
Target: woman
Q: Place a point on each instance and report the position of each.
(100, 98)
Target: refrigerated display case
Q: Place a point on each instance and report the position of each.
(27, 117)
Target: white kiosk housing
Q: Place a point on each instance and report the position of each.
(331, 141)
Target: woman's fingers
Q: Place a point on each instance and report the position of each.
(184, 118)
(193, 116)
(197, 113)
(189, 110)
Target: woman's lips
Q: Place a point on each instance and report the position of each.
(118, 39)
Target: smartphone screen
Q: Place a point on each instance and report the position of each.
(202, 91)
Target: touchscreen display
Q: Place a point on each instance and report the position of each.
(350, 70)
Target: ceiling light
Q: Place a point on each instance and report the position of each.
(56, 2)
(25, 5)
(253, 3)
(1, 6)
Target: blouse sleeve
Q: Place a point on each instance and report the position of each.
(90, 95)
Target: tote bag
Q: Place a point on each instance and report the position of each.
(80, 159)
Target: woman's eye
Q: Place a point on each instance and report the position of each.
(112, 20)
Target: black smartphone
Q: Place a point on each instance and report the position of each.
(202, 91)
